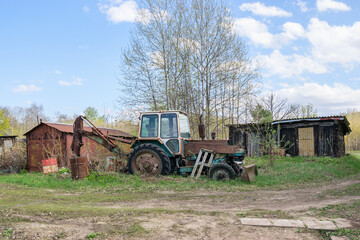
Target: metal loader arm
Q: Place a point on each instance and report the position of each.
(96, 135)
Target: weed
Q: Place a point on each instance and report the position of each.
(7, 233)
(136, 229)
(349, 233)
(92, 235)
(60, 235)
(63, 170)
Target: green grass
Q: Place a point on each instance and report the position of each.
(352, 190)
(349, 211)
(262, 213)
(351, 234)
(286, 172)
(304, 170)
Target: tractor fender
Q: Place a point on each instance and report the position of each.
(155, 141)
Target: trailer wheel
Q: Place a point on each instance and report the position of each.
(222, 171)
(149, 159)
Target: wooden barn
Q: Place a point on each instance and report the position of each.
(318, 136)
(54, 139)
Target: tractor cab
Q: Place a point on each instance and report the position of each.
(167, 129)
(159, 144)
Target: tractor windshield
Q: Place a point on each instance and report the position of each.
(169, 127)
(149, 125)
(184, 126)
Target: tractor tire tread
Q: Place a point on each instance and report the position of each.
(165, 161)
(224, 166)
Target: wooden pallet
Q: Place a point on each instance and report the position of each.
(203, 159)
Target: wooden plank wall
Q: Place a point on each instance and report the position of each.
(306, 141)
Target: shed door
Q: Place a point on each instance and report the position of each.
(306, 141)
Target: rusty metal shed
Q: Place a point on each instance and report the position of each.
(317, 136)
(48, 139)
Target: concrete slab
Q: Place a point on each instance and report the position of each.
(320, 225)
(342, 223)
(291, 223)
(339, 238)
(256, 222)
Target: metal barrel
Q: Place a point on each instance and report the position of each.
(79, 167)
(249, 172)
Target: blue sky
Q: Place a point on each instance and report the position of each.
(64, 54)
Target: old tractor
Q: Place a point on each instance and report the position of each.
(164, 146)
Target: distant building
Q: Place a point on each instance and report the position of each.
(47, 139)
(318, 136)
(6, 143)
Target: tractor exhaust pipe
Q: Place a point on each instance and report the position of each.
(201, 129)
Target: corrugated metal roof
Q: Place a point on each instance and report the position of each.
(290, 120)
(68, 128)
(9, 136)
(323, 118)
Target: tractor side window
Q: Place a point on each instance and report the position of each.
(184, 126)
(169, 127)
(149, 126)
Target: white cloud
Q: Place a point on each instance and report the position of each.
(329, 44)
(259, 8)
(76, 82)
(292, 30)
(327, 99)
(302, 5)
(256, 31)
(324, 5)
(260, 35)
(335, 44)
(86, 9)
(27, 88)
(118, 11)
(291, 65)
(57, 71)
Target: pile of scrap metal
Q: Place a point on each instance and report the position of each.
(164, 146)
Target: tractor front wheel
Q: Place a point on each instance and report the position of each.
(149, 159)
(222, 171)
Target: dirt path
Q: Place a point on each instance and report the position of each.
(286, 200)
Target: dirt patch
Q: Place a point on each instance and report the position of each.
(286, 200)
(184, 226)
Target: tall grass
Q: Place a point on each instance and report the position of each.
(285, 173)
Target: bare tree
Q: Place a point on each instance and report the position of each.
(305, 111)
(279, 107)
(185, 55)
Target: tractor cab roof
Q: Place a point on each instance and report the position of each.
(164, 111)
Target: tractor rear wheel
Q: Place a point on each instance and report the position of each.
(149, 159)
(222, 171)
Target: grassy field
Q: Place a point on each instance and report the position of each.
(126, 202)
(287, 172)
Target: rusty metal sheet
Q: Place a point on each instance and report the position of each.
(219, 146)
